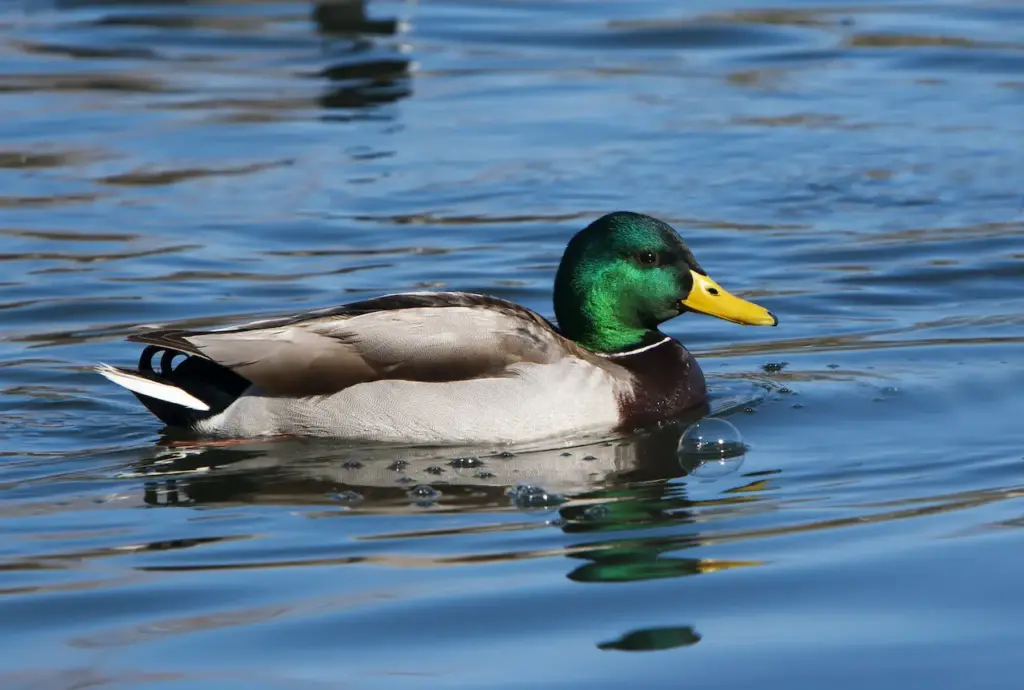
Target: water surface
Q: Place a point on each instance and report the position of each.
(857, 168)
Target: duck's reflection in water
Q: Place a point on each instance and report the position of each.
(653, 639)
(399, 479)
(369, 69)
(599, 495)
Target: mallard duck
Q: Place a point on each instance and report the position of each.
(457, 367)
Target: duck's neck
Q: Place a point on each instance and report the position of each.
(596, 324)
(607, 340)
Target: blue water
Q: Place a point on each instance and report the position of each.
(856, 168)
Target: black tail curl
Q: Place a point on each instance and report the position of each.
(215, 385)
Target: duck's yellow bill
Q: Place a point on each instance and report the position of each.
(708, 297)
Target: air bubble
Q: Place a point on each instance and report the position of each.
(712, 447)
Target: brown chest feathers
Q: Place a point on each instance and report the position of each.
(669, 383)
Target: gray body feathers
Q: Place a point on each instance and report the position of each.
(415, 367)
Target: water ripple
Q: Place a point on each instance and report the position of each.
(854, 167)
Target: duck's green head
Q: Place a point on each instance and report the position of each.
(625, 273)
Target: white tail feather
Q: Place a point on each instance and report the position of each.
(153, 389)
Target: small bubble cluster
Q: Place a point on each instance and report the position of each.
(528, 496)
(424, 492)
(598, 512)
(465, 463)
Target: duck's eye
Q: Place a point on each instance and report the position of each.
(647, 259)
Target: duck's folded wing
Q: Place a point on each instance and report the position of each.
(415, 336)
